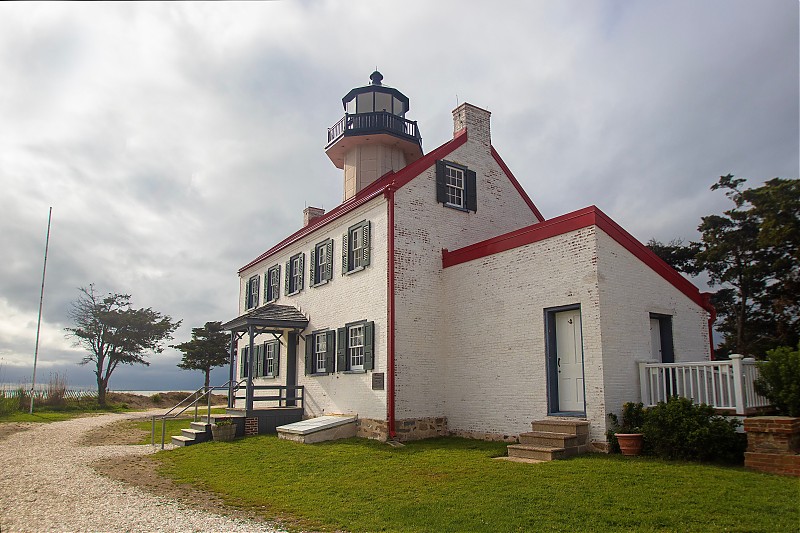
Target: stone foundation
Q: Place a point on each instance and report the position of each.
(368, 428)
(421, 428)
(478, 435)
(773, 444)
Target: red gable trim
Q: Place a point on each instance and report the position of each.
(373, 190)
(582, 218)
(516, 184)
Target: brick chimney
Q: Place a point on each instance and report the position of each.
(475, 120)
(310, 214)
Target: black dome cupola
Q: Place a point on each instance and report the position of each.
(374, 136)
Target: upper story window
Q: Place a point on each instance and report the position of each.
(251, 297)
(272, 284)
(356, 247)
(456, 186)
(294, 274)
(321, 263)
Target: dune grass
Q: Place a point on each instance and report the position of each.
(455, 485)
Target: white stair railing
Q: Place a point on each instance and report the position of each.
(720, 384)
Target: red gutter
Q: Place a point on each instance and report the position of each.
(389, 195)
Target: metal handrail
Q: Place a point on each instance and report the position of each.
(195, 402)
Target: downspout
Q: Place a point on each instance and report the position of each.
(389, 195)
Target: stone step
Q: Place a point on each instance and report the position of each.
(570, 427)
(200, 426)
(196, 435)
(540, 453)
(552, 440)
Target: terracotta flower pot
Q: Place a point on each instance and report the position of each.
(630, 443)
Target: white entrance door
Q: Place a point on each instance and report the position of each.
(655, 339)
(569, 354)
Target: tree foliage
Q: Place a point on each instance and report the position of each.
(751, 253)
(779, 379)
(207, 349)
(114, 333)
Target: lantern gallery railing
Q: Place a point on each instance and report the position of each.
(724, 385)
(376, 121)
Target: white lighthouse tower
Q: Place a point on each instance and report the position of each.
(373, 137)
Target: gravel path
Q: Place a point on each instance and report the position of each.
(46, 484)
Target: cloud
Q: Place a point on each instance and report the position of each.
(177, 141)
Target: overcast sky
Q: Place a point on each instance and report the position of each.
(176, 142)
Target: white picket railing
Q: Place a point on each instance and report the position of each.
(720, 384)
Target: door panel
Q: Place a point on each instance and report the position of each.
(655, 339)
(569, 360)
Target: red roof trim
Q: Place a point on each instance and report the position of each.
(570, 222)
(517, 184)
(373, 190)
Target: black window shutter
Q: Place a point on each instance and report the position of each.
(277, 358)
(330, 359)
(345, 262)
(243, 363)
(313, 279)
(287, 289)
(472, 191)
(369, 335)
(301, 267)
(258, 367)
(366, 234)
(257, 291)
(278, 292)
(441, 186)
(266, 286)
(341, 350)
(309, 354)
(246, 295)
(329, 257)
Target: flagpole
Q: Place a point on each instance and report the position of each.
(41, 298)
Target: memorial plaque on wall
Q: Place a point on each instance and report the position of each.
(377, 381)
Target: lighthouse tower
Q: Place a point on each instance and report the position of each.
(374, 136)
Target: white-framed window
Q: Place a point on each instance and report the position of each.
(321, 263)
(294, 274)
(356, 247)
(251, 300)
(270, 358)
(456, 186)
(320, 351)
(355, 347)
(272, 281)
(454, 181)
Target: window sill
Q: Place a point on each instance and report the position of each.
(456, 207)
(295, 292)
(265, 377)
(320, 284)
(353, 271)
(354, 372)
(318, 374)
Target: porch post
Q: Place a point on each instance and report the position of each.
(291, 367)
(738, 392)
(249, 400)
(232, 372)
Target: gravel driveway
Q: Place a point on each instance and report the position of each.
(46, 484)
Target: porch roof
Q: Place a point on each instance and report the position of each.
(270, 315)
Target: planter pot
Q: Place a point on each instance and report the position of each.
(630, 443)
(223, 433)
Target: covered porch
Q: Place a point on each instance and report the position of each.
(265, 406)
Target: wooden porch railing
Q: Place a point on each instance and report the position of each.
(276, 393)
(724, 385)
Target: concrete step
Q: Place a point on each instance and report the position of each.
(540, 453)
(570, 427)
(200, 426)
(196, 435)
(551, 440)
(319, 429)
(180, 440)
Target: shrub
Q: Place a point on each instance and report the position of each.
(680, 429)
(56, 391)
(156, 398)
(8, 404)
(779, 379)
(632, 421)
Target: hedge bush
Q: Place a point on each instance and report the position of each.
(779, 379)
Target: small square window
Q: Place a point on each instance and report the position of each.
(455, 186)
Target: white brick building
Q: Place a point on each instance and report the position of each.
(437, 300)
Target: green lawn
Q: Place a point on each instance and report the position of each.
(455, 485)
(42, 416)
